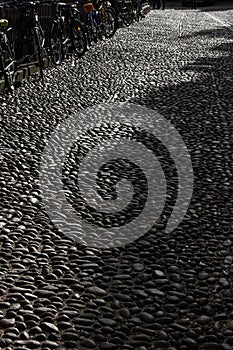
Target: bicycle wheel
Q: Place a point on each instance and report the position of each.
(56, 43)
(7, 64)
(136, 11)
(109, 23)
(94, 31)
(39, 49)
(127, 12)
(99, 23)
(79, 40)
(92, 28)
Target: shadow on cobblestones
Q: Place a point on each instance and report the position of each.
(217, 33)
(225, 7)
(205, 109)
(202, 112)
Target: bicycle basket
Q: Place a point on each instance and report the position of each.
(88, 7)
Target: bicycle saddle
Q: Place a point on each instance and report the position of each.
(62, 4)
(33, 3)
(3, 22)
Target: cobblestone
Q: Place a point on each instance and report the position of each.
(179, 63)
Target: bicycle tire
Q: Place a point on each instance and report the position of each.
(136, 15)
(88, 37)
(92, 30)
(109, 23)
(66, 42)
(39, 39)
(136, 11)
(79, 40)
(99, 24)
(127, 13)
(7, 65)
(95, 32)
(56, 44)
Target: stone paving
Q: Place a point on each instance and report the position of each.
(164, 291)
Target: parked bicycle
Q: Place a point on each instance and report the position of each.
(108, 18)
(100, 20)
(126, 11)
(7, 62)
(91, 22)
(34, 35)
(67, 33)
(137, 10)
(75, 26)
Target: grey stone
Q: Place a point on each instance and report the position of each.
(107, 322)
(49, 327)
(146, 317)
(97, 291)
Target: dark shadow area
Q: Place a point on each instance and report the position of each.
(219, 6)
(203, 7)
(202, 111)
(216, 8)
(216, 33)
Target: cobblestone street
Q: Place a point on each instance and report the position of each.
(163, 291)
